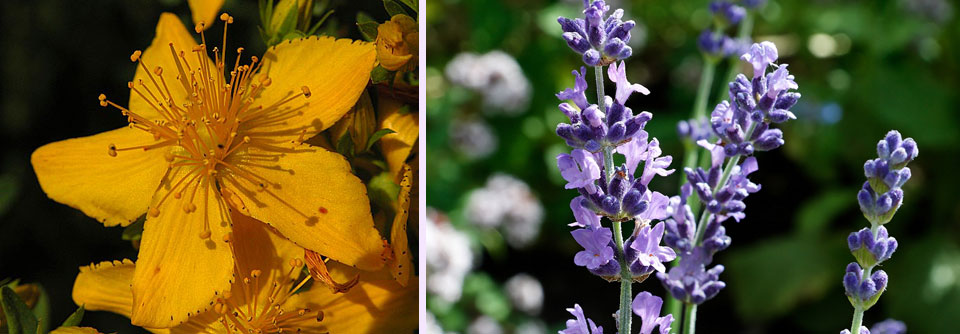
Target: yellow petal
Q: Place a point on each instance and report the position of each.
(105, 286)
(114, 190)
(402, 261)
(370, 307)
(75, 330)
(205, 11)
(334, 70)
(178, 274)
(257, 246)
(396, 147)
(310, 196)
(158, 54)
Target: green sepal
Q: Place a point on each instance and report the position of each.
(412, 4)
(345, 145)
(74, 319)
(367, 26)
(376, 136)
(20, 319)
(383, 191)
(381, 75)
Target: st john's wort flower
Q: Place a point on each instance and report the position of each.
(201, 146)
(601, 40)
(598, 254)
(647, 307)
(863, 291)
(881, 195)
(580, 324)
(889, 326)
(690, 281)
(870, 250)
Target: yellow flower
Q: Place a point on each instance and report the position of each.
(206, 139)
(75, 330)
(396, 147)
(397, 43)
(264, 298)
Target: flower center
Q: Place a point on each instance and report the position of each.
(265, 313)
(218, 117)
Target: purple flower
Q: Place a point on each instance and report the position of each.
(694, 129)
(600, 40)
(596, 243)
(578, 93)
(585, 217)
(647, 250)
(863, 330)
(690, 281)
(727, 11)
(647, 307)
(657, 206)
(635, 151)
(580, 169)
(889, 326)
(760, 56)
(580, 324)
(863, 291)
(870, 250)
(624, 87)
(655, 164)
(881, 195)
(779, 81)
(713, 43)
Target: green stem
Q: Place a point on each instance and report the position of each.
(626, 282)
(690, 318)
(745, 28)
(626, 278)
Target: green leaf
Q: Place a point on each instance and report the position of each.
(9, 187)
(41, 310)
(367, 26)
(383, 191)
(380, 75)
(376, 136)
(412, 4)
(393, 8)
(74, 319)
(20, 320)
(345, 145)
(135, 230)
(816, 214)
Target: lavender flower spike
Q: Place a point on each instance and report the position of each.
(647, 306)
(760, 56)
(580, 324)
(889, 326)
(600, 40)
(585, 217)
(870, 250)
(863, 330)
(580, 169)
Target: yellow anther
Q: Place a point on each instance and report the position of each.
(306, 91)
(130, 84)
(246, 139)
(255, 273)
(239, 50)
(199, 27)
(112, 150)
(227, 238)
(189, 207)
(205, 234)
(168, 157)
(224, 17)
(153, 212)
(158, 70)
(319, 316)
(135, 56)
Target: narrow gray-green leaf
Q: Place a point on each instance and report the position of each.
(74, 319)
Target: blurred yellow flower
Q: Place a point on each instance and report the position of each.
(205, 140)
(204, 11)
(265, 297)
(397, 43)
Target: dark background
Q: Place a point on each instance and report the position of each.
(894, 67)
(57, 57)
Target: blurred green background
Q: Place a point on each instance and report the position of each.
(58, 56)
(864, 67)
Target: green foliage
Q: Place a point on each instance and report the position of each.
(133, 231)
(375, 137)
(20, 319)
(383, 191)
(367, 26)
(74, 318)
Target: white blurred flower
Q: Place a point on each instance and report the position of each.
(431, 326)
(484, 325)
(508, 202)
(533, 326)
(448, 259)
(472, 138)
(496, 75)
(525, 292)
